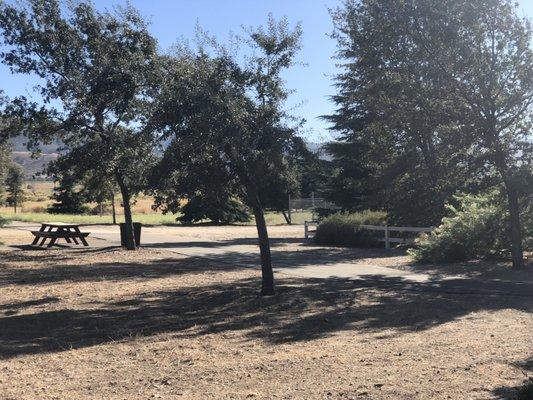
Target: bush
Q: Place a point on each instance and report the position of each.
(341, 229)
(223, 210)
(3, 222)
(322, 213)
(476, 228)
(104, 209)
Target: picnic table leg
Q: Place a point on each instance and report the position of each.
(37, 237)
(44, 239)
(52, 241)
(81, 237)
(66, 237)
(73, 238)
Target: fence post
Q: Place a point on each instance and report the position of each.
(306, 233)
(387, 237)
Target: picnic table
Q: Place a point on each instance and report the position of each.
(56, 230)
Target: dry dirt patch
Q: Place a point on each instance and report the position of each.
(103, 323)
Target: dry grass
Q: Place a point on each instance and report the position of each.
(38, 199)
(104, 323)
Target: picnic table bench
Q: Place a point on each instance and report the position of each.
(54, 231)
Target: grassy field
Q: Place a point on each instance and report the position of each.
(154, 218)
(38, 194)
(150, 219)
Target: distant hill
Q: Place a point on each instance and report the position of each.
(33, 167)
(19, 144)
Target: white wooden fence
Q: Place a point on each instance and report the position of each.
(388, 229)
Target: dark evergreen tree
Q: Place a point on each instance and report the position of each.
(15, 185)
(5, 162)
(312, 170)
(435, 97)
(67, 197)
(399, 147)
(218, 208)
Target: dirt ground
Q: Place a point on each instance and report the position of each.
(103, 323)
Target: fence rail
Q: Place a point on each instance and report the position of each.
(388, 229)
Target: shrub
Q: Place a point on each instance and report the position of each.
(341, 229)
(105, 209)
(476, 228)
(322, 213)
(68, 199)
(3, 222)
(222, 210)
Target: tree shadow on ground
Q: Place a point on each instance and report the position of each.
(274, 242)
(523, 391)
(304, 244)
(109, 271)
(59, 267)
(302, 310)
(484, 269)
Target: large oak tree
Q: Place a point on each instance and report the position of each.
(97, 70)
(229, 127)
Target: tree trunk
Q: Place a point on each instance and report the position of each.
(287, 219)
(517, 252)
(267, 275)
(113, 208)
(515, 231)
(126, 200)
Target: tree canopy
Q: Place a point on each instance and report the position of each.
(98, 69)
(14, 182)
(228, 124)
(434, 98)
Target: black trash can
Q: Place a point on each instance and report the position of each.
(136, 233)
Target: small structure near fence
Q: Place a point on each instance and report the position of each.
(308, 231)
(388, 229)
(310, 204)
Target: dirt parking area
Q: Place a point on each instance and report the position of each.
(103, 323)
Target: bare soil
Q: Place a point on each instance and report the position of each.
(103, 323)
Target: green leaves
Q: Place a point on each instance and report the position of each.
(475, 227)
(100, 70)
(430, 92)
(226, 120)
(14, 183)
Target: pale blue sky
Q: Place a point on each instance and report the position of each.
(171, 20)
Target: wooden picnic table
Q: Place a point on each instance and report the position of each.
(56, 230)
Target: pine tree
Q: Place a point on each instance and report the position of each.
(68, 200)
(15, 186)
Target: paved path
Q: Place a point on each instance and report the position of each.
(303, 260)
(293, 256)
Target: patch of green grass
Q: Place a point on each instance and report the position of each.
(148, 219)
(272, 218)
(277, 218)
